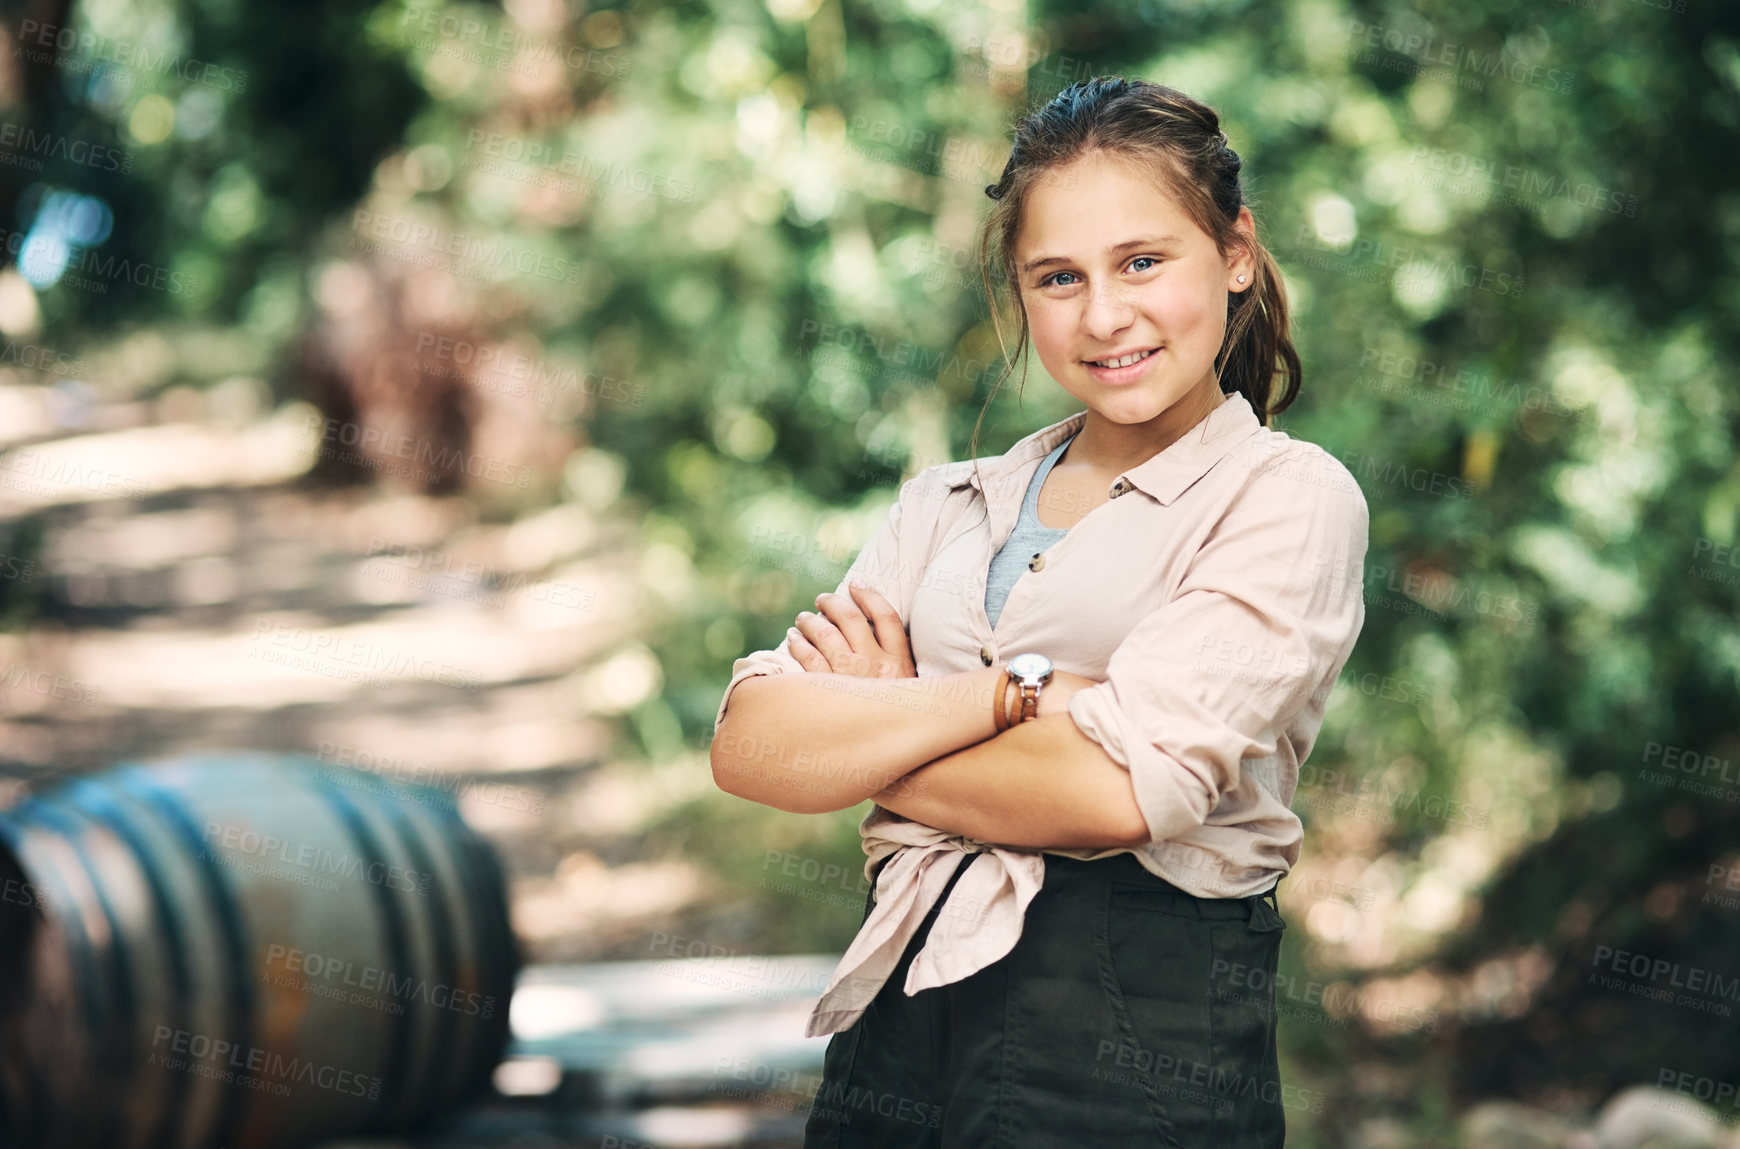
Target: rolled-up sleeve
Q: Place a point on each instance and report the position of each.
(1265, 617)
(884, 563)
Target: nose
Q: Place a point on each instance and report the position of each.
(1110, 309)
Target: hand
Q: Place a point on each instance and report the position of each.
(860, 634)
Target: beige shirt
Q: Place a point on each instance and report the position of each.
(1214, 600)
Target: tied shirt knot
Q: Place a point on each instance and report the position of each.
(980, 921)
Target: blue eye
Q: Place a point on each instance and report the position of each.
(1052, 278)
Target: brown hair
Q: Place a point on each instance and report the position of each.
(1181, 140)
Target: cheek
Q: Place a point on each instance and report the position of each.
(1187, 310)
(1052, 325)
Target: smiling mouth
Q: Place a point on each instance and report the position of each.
(1124, 360)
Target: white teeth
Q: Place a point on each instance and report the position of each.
(1137, 357)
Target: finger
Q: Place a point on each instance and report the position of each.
(844, 614)
(826, 638)
(890, 631)
(806, 655)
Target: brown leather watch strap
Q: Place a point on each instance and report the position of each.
(1000, 702)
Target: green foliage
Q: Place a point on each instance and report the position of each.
(1509, 234)
(235, 131)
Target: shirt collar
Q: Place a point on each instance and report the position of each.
(1164, 475)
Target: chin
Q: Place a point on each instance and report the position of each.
(1134, 406)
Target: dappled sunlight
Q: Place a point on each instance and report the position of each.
(142, 461)
(280, 658)
(587, 897)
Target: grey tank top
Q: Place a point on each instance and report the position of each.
(1029, 538)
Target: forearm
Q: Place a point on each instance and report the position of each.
(814, 743)
(1040, 784)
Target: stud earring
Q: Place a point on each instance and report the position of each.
(1241, 279)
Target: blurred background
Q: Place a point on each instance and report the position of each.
(453, 392)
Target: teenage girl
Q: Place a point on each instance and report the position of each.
(1100, 659)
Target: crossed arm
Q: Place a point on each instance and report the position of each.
(1042, 783)
(925, 749)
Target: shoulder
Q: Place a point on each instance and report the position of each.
(937, 496)
(1291, 518)
(940, 479)
(1295, 477)
(955, 474)
(1032, 446)
(1270, 459)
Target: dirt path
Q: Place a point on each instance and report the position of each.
(203, 592)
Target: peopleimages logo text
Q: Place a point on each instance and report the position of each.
(318, 969)
(73, 51)
(211, 1053)
(110, 267)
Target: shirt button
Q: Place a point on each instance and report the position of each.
(1119, 488)
(985, 655)
(1037, 562)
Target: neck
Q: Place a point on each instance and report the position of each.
(1110, 446)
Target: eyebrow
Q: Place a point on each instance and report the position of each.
(1139, 241)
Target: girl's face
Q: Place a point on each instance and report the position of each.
(1109, 264)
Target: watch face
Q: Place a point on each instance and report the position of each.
(1030, 666)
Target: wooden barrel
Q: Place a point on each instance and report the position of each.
(244, 950)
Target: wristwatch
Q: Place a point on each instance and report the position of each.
(1031, 671)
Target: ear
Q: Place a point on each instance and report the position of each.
(1241, 256)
